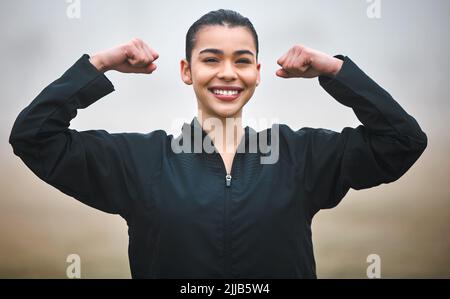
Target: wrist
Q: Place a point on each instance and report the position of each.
(336, 67)
(98, 63)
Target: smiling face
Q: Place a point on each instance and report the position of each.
(223, 70)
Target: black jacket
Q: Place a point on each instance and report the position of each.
(185, 219)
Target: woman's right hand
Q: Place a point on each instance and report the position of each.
(133, 57)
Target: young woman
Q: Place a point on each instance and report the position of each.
(222, 213)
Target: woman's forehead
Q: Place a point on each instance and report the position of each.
(227, 39)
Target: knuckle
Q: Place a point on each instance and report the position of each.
(131, 47)
(135, 42)
(128, 50)
(125, 49)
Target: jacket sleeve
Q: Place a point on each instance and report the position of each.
(88, 165)
(381, 150)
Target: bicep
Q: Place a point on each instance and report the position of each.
(354, 158)
(90, 166)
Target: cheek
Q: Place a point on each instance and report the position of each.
(249, 77)
(202, 76)
(200, 81)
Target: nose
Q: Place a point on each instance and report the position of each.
(227, 72)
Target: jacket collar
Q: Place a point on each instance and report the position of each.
(198, 135)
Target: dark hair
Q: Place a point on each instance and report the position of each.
(223, 17)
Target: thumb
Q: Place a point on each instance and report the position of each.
(282, 73)
(148, 69)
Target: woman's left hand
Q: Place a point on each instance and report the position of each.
(303, 62)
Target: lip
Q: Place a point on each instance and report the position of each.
(226, 98)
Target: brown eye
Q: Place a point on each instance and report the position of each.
(210, 60)
(243, 60)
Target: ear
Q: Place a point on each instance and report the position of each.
(258, 78)
(185, 71)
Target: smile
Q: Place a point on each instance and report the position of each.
(226, 93)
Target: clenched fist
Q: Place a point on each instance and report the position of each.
(303, 62)
(133, 57)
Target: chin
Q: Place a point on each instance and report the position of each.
(224, 110)
(225, 113)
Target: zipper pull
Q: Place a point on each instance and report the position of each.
(228, 180)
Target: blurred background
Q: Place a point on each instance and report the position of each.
(403, 45)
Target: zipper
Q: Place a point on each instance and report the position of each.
(227, 210)
(228, 180)
(227, 236)
(227, 224)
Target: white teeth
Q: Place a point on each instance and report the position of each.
(225, 92)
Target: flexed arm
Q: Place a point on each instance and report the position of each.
(381, 150)
(92, 166)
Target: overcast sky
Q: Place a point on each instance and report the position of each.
(405, 51)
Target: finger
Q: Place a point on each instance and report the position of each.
(141, 59)
(151, 68)
(132, 52)
(296, 58)
(148, 69)
(290, 61)
(282, 73)
(287, 63)
(303, 63)
(154, 54)
(148, 54)
(282, 59)
(145, 57)
(128, 68)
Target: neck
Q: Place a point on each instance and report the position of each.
(225, 132)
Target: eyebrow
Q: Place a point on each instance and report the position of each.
(220, 52)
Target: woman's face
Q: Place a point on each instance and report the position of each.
(224, 71)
